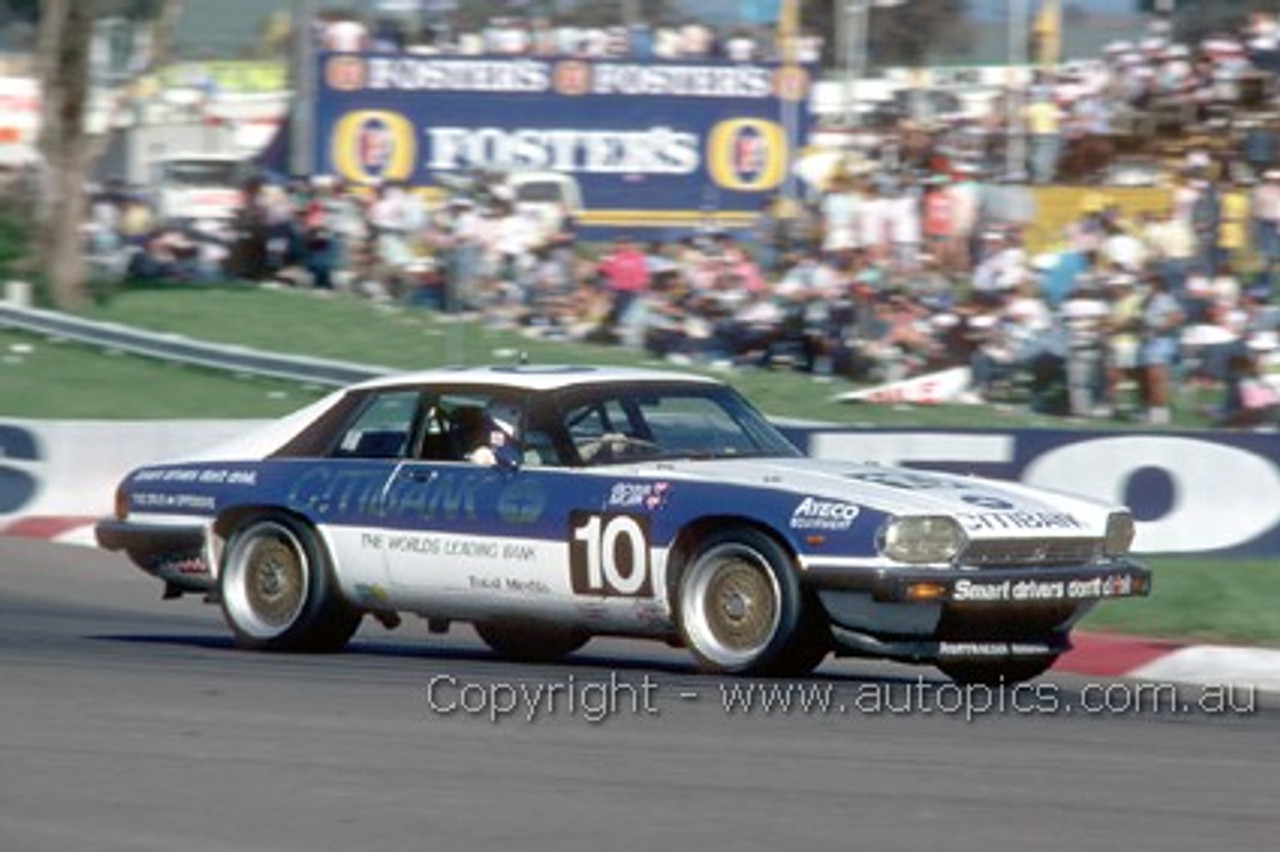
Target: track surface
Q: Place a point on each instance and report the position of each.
(131, 724)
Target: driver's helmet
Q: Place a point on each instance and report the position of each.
(501, 418)
(501, 428)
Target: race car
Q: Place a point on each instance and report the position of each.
(548, 505)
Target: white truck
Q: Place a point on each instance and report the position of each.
(197, 189)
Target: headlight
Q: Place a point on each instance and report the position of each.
(922, 539)
(1119, 534)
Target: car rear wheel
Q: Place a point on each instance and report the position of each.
(997, 672)
(529, 641)
(741, 609)
(278, 592)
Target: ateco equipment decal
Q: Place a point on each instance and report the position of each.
(815, 514)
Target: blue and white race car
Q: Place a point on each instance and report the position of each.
(547, 505)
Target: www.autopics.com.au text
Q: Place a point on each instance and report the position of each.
(598, 699)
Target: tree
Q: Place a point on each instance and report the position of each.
(66, 27)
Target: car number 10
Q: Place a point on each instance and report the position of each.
(610, 555)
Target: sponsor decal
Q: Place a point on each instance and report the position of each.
(748, 154)
(417, 74)
(791, 83)
(986, 501)
(995, 649)
(371, 593)
(907, 480)
(327, 492)
(508, 585)
(816, 514)
(635, 495)
(572, 77)
(345, 73)
(187, 566)
(373, 146)
(1111, 586)
(979, 521)
(144, 500)
(450, 547)
(522, 502)
(201, 476)
(655, 150)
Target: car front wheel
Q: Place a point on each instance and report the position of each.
(741, 609)
(278, 592)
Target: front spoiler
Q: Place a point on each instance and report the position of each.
(1120, 578)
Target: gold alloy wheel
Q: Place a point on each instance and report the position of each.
(730, 605)
(267, 579)
(274, 582)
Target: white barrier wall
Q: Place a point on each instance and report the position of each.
(51, 468)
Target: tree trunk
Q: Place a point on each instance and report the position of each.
(66, 27)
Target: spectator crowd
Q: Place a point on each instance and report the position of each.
(910, 262)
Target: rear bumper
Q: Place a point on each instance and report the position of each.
(175, 554)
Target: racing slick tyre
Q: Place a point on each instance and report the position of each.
(741, 610)
(278, 592)
(530, 641)
(997, 672)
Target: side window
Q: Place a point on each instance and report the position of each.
(382, 428)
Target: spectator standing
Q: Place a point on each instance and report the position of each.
(1123, 328)
(625, 275)
(1265, 212)
(1083, 316)
(1161, 322)
(1044, 124)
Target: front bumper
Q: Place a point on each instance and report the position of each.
(927, 615)
(1120, 578)
(175, 554)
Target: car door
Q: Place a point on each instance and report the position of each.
(466, 540)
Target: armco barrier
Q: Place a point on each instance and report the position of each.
(172, 347)
(1191, 492)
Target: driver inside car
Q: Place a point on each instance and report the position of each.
(495, 443)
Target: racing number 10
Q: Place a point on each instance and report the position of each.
(609, 555)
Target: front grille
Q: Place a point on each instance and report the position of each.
(1044, 551)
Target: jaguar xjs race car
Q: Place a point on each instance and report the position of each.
(615, 502)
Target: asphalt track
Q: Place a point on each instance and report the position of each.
(131, 724)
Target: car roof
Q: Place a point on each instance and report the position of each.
(538, 377)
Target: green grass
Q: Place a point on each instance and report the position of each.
(1193, 598)
(349, 329)
(58, 380)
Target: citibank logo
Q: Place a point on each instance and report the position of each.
(372, 146)
(747, 154)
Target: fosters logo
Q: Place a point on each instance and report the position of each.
(747, 154)
(371, 146)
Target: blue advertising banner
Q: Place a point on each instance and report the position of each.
(1190, 492)
(674, 145)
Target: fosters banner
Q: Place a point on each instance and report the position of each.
(650, 144)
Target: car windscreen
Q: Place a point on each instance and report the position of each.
(644, 422)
